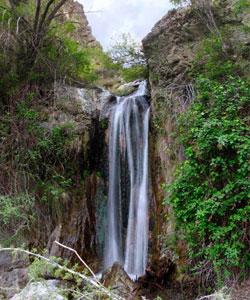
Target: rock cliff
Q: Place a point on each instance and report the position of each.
(170, 50)
(74, 12)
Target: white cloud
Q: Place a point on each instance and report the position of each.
(114, 17)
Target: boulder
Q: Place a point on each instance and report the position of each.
(127, 88)
(77, 106)
(46, 290)
(13, 273)
(119, 281)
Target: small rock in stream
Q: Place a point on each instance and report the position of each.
(117, 279)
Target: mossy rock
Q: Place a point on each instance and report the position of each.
(126, 89)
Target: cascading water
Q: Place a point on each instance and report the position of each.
(126, 240)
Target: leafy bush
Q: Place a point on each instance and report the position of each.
(35, 160)
(135, 72)
(241, 6)
(211, 60)
(64, 57)
(210, 194)
(41, 269)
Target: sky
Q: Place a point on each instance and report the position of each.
(110, 18)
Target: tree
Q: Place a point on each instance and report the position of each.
(28, 24)
(36, 45)
(31, 31)
(178, 2)
(127, 52)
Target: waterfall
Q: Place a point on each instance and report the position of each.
(126, 240)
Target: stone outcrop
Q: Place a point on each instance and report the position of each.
(44, 290)
(13, 273)
(127, 88)
(169, 49)
(117, 279)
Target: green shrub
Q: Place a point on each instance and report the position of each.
(40, 269)
(135, 72)
(15, 208)
(41, 156)
(211, 59)
(210, 194)
(65, 58)
(241, 6)
(39, 52)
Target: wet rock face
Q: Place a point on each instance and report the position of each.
(79, 224)
(76, 105)
(161, 272)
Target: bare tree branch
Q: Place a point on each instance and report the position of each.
(95, 284)
(37, 15)
(55, 10)
(44, 15)
(79, 257)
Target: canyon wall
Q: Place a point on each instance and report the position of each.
(170, 49)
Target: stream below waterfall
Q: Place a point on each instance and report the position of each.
(126, 238)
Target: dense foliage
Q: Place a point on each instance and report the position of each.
(211, 192)
(38, 164)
